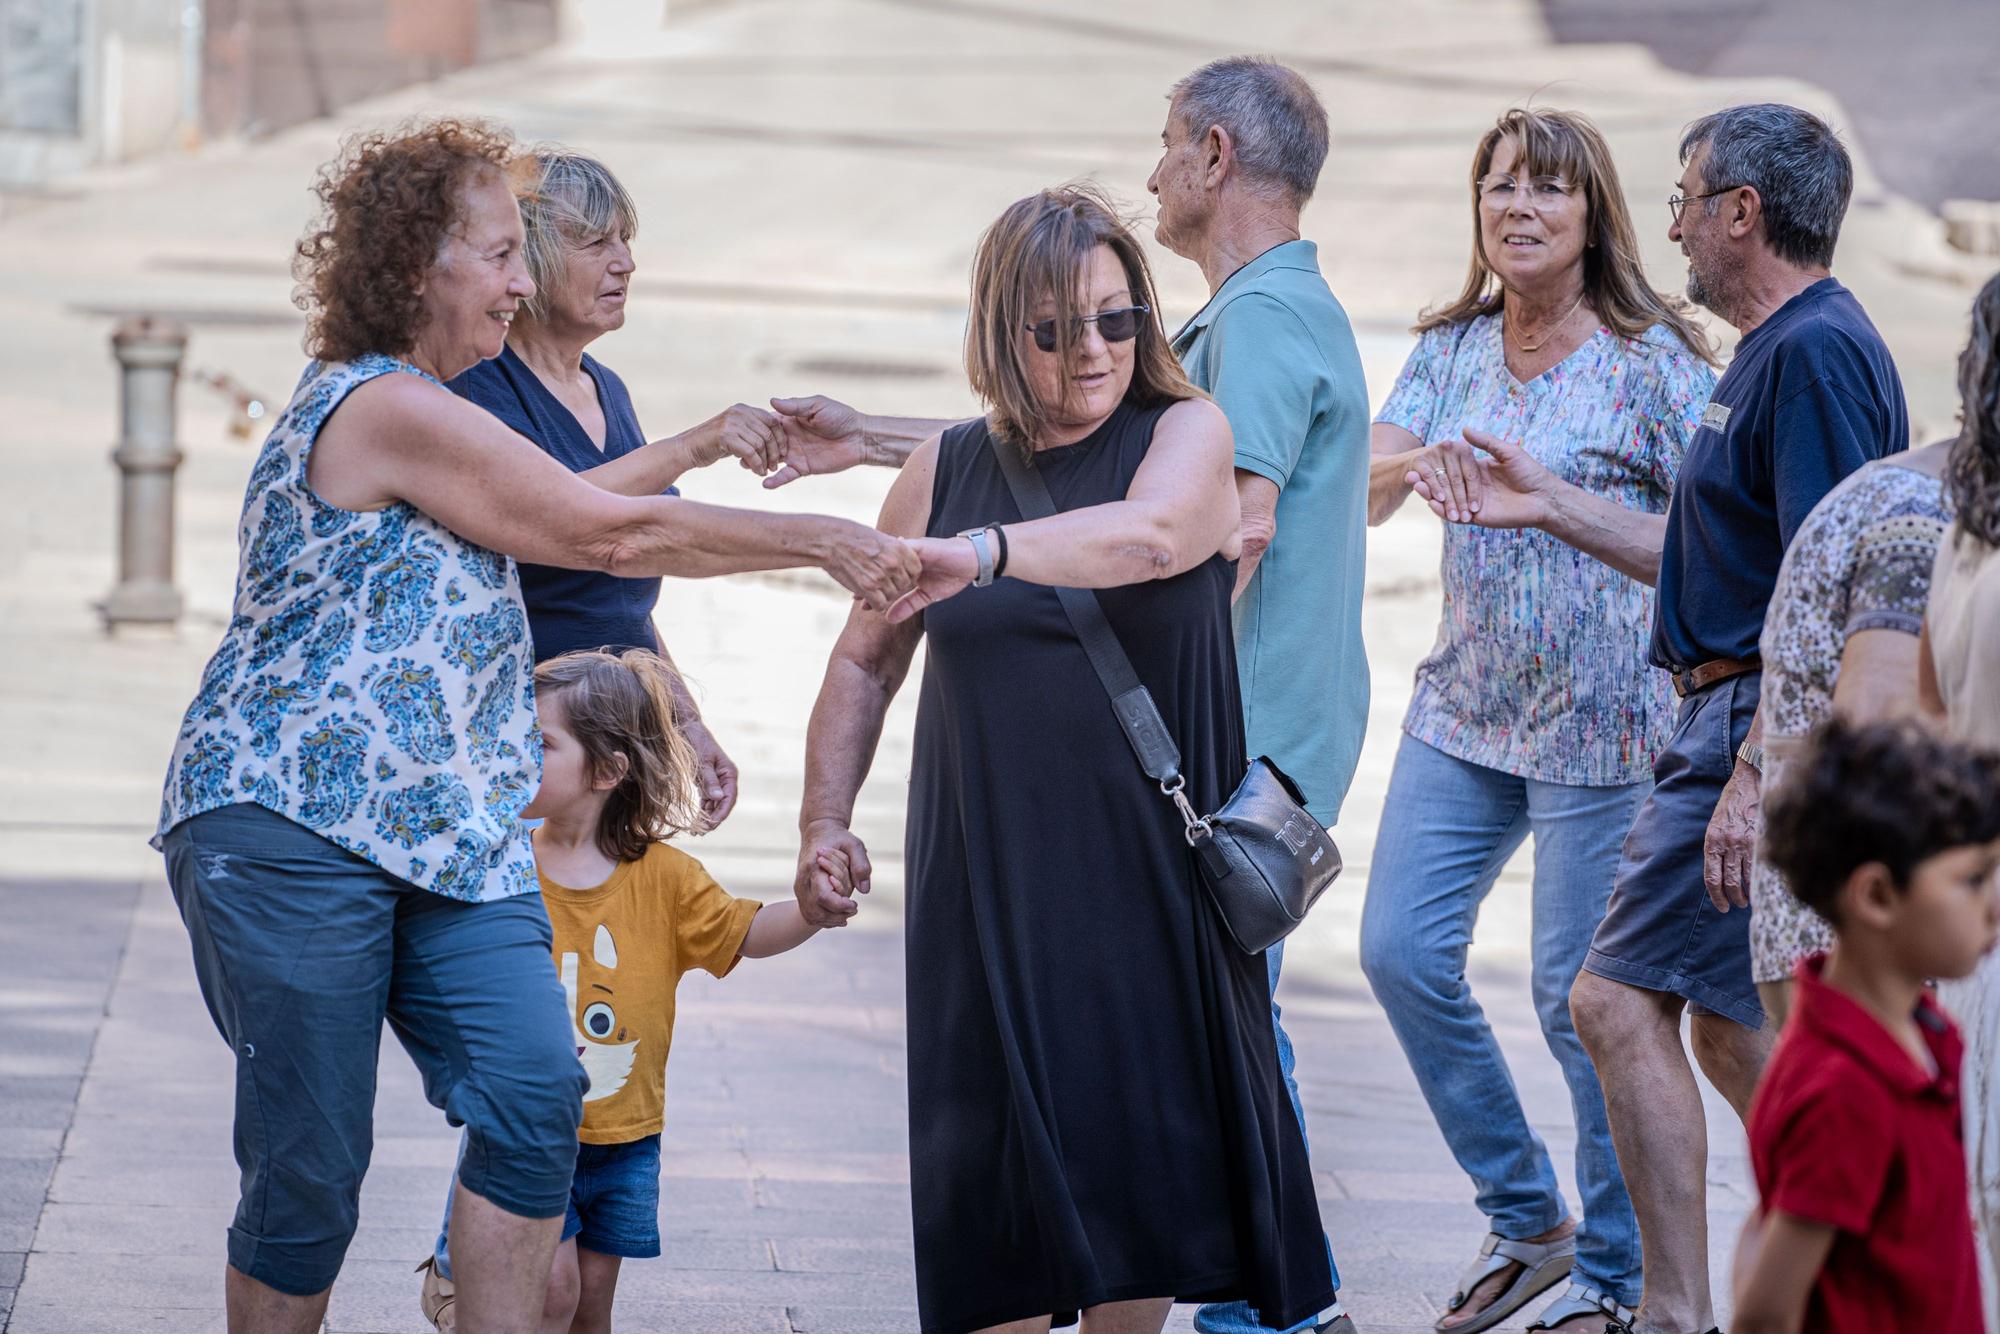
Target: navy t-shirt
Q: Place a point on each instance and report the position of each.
(570, 609)
(1811, 396)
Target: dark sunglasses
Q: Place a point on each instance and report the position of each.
(1114, 326)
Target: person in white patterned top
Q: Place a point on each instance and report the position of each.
(340, 817)
(1841, 638)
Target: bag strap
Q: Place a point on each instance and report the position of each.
(1131, 702)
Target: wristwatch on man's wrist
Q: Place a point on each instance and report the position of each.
(982, 549)
(1752, 754)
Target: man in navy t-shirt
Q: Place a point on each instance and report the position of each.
(1811, 395)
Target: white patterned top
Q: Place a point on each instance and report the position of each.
(375, 683)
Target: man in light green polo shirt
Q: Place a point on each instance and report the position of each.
(1244, 143)
(1241, 152)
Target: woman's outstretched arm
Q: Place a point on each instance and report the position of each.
(399, 438)
(867, 667)
(1180, 509)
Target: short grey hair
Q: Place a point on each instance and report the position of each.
(1795, 162)
(1273, 117)
(567, 200)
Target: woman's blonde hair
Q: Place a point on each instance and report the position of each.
(1034, 255)
(624, 705)
(567, 200)
(1566, 144)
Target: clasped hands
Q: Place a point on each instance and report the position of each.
(1482, 480)
(833, 869)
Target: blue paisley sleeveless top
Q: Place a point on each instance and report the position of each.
(375, 683)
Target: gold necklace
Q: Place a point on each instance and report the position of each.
(1543, 336)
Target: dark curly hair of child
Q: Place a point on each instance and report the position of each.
(1898, 793)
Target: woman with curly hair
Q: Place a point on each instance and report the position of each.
(340, 820)
(1959, 677)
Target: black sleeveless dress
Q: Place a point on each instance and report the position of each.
(1096, 1112)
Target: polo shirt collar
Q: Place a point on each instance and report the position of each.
(1840, 1020)
(1285, 255)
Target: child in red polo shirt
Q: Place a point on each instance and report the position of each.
(1892, 833)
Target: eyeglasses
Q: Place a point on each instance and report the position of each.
(1677, 204)
(1500, 192)
(1114, 326)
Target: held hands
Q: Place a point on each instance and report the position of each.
(949, 565)
(833, 868)
(820, 436)
(1507, 489)
(751, 435)
(876, 568)
(1731, 839)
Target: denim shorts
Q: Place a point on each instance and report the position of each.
(614, 1199)
(1661, 932)
(302, 950)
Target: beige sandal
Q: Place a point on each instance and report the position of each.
(439, 1298)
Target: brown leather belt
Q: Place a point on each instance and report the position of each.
(1716, 669)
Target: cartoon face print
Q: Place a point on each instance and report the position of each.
(593, 1010)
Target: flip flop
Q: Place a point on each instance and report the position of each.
(1582, 1299)
(1543, 1265)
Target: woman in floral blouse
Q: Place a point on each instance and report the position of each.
(1537, 712)
(1841, 637)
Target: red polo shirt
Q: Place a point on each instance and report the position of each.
(1848, 1130)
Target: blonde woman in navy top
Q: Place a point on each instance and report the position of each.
(578, 224)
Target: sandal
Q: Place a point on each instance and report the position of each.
(1543, 1265)
(439, 1297)
(1582, 1299)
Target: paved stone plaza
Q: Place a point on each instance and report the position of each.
(811, 177)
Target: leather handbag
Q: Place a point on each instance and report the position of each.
(1263, 858)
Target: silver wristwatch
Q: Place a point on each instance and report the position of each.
(982, 547)
(1751, 754)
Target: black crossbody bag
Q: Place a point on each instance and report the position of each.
(1263, 857)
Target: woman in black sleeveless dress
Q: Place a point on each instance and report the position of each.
(1097, 1122)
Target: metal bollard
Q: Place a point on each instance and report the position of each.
(149, 354)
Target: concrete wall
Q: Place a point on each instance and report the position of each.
(88, 82)
(271, 63)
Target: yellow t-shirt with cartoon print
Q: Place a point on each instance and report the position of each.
(620, 949)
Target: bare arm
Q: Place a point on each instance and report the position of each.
(1512, 489)
(1391, 451)
(1179, 510)
(777, 927)
(748, 434)
(823, 435)
(866, 668)
(1878, 676)
(398, 438)
(1778, 1262)
(1928, 695)
(1257, 496)
(1629, 541)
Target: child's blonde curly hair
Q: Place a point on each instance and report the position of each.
(624, 705)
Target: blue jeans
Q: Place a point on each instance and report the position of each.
(1448, 827)
(614, 1202)
(1240, 1317)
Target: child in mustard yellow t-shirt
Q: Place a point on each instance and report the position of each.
(630, 914)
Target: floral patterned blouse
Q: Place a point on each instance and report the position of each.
(1861, 561)
(1540, 665)
(375, 682)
